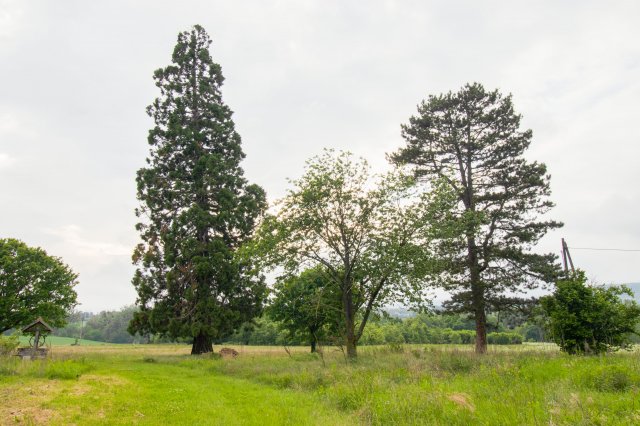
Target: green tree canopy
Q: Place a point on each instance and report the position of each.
(33, 284)
(471, 142)
(370, 234)
(589, 319)
(307, 305)
(196, 208)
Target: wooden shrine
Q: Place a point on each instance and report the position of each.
(38, 331)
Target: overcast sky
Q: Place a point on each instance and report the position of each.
(76, 76)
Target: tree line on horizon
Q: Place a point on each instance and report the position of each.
(384, 328)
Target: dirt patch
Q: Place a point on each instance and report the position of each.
(30, 415)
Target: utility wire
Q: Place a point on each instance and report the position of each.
(602, 249)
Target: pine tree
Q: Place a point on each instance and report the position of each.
(471, 143)
(196, 208)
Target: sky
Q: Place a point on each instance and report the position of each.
(76, 77)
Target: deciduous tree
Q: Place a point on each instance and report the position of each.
(33, 284)
(369, 234)
(307, 304)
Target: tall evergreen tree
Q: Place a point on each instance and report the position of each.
(471, 142)
(196, 208)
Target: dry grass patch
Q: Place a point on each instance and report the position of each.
(33, 401)
(25, 403)
(462, 400)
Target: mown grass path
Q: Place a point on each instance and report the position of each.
(120, 390)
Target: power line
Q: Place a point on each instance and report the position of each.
(602, 249)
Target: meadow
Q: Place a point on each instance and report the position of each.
(387, 385)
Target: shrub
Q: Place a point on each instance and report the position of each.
(462, 336)
(467, 336)
(589, 319)
(502, 338)
(8, 344)
(454, 338)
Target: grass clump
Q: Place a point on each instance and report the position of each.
(66, 370)
(456, 362)
(611, 378)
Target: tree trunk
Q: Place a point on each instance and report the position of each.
(349, 322)
(481, 331)
(314, 338)
(202, 344)
(477, 297)
(479, 313)
(350, 343)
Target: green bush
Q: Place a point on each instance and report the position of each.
(8, 344)
(502, 338)
(589, 319)
(467, 336)
(461, 336)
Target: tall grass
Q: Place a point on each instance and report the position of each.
(436, 385)
(64, 369)
(431, 385)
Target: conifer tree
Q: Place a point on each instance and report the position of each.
(196, 208)
(471, 143)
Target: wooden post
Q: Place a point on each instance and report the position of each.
(566, 256)
(35, 343)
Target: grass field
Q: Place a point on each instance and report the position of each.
(431, 385)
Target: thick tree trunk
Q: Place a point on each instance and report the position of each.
(314, 338)
(481, 331)
(477, 297)
(349, 322)
(202, 344)
(352, 349)
(478, 302)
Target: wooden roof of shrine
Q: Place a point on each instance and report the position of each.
(37, 325)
